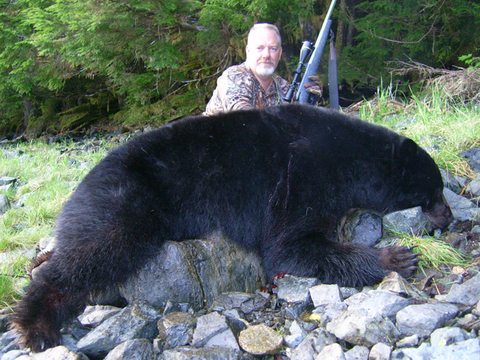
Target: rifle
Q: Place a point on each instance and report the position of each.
(313, 56)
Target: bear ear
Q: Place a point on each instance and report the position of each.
(406, 150)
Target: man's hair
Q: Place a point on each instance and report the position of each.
(265, 26)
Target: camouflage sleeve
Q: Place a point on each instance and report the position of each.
(235, 90)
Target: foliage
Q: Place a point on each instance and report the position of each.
(434, 252)
(433, 32)
(59, 56)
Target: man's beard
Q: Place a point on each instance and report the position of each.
(265, 71)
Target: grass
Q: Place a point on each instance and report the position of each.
(47, 175)
(434, 251)
(433, 122)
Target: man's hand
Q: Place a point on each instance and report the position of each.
(313, 86)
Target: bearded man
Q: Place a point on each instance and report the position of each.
(252, 84)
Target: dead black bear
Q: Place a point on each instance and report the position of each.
(275, 180)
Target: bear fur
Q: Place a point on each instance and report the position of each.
(275, 180)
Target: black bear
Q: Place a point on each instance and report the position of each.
(275, 180)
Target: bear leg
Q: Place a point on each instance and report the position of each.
(41, 312)
(332, 262)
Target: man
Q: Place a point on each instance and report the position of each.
(253, 83)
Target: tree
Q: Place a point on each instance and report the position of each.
(434, 32)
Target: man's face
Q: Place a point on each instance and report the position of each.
(263, 52)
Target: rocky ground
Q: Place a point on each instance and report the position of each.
(435, 315)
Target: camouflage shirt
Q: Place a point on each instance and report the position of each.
(238, 88)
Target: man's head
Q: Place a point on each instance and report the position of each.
(264, 49)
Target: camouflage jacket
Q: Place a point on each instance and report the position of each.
(237, 88)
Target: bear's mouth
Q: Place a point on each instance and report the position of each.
(440, 214)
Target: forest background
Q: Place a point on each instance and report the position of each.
(68, 64)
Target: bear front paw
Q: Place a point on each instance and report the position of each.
(399, 259)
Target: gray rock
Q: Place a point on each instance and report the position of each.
(297, 335)
(294, 289)
(425, 318)
(312, 345)
(357, 353)
(451, 182)
(325, 294)
(95, 315)
(362, 328)
(194, 272)
(409, 341)
(467, 293)
(57, 353)
(8, 342)
(473, 158)
(410, 221)
(360, 226)
(176, 329)
(447, 336)
(465, 350)
(137, 320)
(247, 303)
(212, 330)
(137, 349)
(462, 208)
(4, 204)
(474, 187)
(332, 352)
(218, 353)
(382, 302)
(6, 180)
(330, 312)
(380, 351)
(14, 354)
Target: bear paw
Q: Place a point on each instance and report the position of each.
(399, 259)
